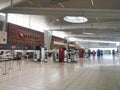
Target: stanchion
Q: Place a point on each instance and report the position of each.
(20, 66)
(0, 63)
(10, 66)
(5, 71)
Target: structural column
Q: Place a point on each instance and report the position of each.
(66, 42)
(5, 22)
(47, 39)
(3, 38)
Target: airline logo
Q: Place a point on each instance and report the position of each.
(21, 35)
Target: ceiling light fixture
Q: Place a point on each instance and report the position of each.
(88, 40)
(92, 3)
(2, 14)
(60, 3)
(75, 19)
(30, 2)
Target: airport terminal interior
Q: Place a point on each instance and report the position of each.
(59, 44)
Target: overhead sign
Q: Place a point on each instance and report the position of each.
(58, 43)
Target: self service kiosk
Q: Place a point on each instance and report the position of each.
(61, 55)
(81, 52)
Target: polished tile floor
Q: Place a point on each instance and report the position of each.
(94, 73)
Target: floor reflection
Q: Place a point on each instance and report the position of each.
(93, 73)
(81, 62)
(105, 60)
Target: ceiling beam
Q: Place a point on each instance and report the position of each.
(98, 25)
(65, 11)
(93, 36)
(8, 4)
(98, 38)
(86, 29)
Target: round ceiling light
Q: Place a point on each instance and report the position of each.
(75, 19)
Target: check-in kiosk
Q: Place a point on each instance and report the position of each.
(61, 55)
(93, 52)
(65, 53)
(81, 52)
(42, 54)
(69, 54)
(98, 52)
(113, 52)
(36, 52)
(56, 55)
(46, 55)
(37, 55)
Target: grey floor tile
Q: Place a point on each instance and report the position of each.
(92, 75)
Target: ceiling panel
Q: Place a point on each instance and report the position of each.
(4, 1)
(86, 4)
(107, 4)
(102, 23)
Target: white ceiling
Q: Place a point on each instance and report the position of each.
(103, 16)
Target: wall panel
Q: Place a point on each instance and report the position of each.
(18, 35)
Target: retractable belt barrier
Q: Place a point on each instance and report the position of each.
(5, 65)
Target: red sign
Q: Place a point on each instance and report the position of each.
(26, 47)
(13, 47)
(1, 46)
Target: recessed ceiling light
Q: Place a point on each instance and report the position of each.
(75, 19)
(88, 33)
(2, 14)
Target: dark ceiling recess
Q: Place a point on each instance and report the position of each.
(51, 2)
(1, 25)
